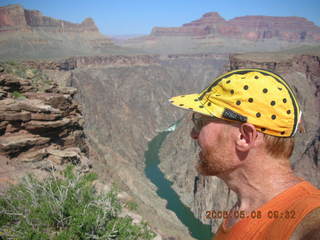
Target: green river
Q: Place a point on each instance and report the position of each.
(197, 229)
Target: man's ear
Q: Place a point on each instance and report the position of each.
(246, 137)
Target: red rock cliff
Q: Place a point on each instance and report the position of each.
(247, 27)
(15, 18)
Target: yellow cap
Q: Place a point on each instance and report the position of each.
(256, 96)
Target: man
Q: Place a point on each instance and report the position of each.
(244, 123)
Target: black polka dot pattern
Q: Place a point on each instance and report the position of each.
(268, 105)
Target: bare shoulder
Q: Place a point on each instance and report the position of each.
(309, 227)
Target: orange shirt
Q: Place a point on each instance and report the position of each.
(279, 217)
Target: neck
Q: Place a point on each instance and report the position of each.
(259, 181)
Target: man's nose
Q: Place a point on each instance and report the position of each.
(194, 134)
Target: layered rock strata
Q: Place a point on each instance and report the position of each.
(39, 131)
(113, 61)
(66, 65)
(252, 28)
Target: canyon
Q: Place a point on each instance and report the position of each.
(124, 105)
(97, 105)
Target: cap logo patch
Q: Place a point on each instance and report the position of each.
(229, 114)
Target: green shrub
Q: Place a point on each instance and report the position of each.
(65, 208)
(133, 206)
(18, 95)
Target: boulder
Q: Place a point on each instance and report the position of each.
(35, 105)
(33, 156)
(45, 116)
(30, 105)
(20, 142)
(15, 116)
(55, 100)
(43, 125)
(68, 90)
(61, 157)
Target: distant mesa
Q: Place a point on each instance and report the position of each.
(251, 28)
(15, 18)
(27, 34)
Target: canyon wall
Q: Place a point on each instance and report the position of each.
(252, 28)
(124, 107)
(179, 153)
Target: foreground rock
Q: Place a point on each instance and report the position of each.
(39, 131)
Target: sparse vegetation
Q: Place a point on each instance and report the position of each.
(18, 95)
(38, 79)
(133, 206)
(65, 208)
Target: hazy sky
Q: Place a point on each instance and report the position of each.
(120, 17)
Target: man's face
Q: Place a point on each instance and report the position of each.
(213, 137)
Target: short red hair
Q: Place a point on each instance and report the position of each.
(279, 147)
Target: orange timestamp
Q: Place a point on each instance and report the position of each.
(255, 214)
(215, 214)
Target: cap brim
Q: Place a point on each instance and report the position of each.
(190, 102)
